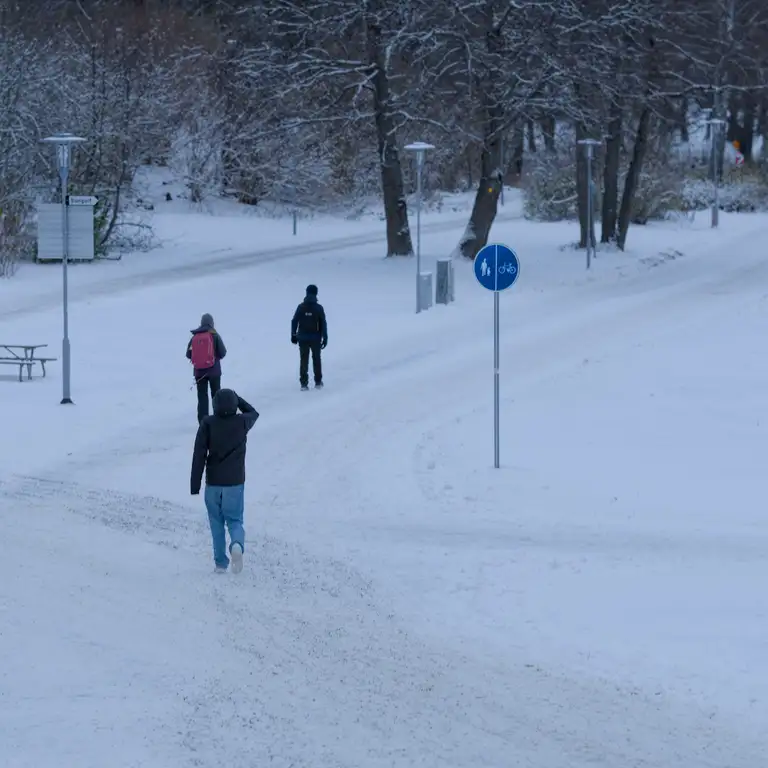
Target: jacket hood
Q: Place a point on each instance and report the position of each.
(225, 403)
(206, 324)
(310, 298)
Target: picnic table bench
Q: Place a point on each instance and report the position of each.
(23, 355)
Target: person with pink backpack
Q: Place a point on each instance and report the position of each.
(206, 350)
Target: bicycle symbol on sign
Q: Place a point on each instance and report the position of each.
(508, 268)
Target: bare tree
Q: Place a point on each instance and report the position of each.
(25, 68)
(308, 102)
(340, 56)
(494, 54)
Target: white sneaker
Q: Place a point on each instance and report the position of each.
(219, 569)
(237, 558)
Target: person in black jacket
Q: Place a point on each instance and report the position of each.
(309, 329)
(220, 450)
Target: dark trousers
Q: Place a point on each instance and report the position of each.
(202, 394)
(305, 347)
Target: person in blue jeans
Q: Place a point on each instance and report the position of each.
(220, 447)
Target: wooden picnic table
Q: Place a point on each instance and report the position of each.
(23, 355)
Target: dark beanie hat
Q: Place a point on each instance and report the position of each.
(311, 290)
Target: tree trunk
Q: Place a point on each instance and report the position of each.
(611, 174)
(683, 118)
(633, 175)
(762, 118)
(487, 197)
(750, 120)
(518, 151)
(531, 131)
(733, 119)
(744, 128)
(395, 207)
(548, 126)
(491, 173)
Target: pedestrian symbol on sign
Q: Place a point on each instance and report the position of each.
(496, 267)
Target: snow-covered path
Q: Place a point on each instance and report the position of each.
(596, 602)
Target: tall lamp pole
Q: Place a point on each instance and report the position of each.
(63, 143)
(419, 148)
(716, 125)
(590, 145)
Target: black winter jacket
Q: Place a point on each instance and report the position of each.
(309, 322)
(221, 442)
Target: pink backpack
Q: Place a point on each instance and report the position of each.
(203, 351)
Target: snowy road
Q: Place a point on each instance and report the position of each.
(596, 602)
(133, 276)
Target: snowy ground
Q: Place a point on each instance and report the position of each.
(598, 601)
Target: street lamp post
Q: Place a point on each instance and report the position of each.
(420, 149)
(63, 142)
(716, 124)
(590, 145)
(503, 168)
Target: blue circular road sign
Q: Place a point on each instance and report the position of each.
(497, 267)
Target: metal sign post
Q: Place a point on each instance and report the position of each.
(496, 269)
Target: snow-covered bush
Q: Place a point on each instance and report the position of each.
(9, 256)
(659, 191)
(549, 186)
(666, 185)
(195, 155)
(742, 190)
(16, 241)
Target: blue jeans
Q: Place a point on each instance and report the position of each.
(225, 504)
